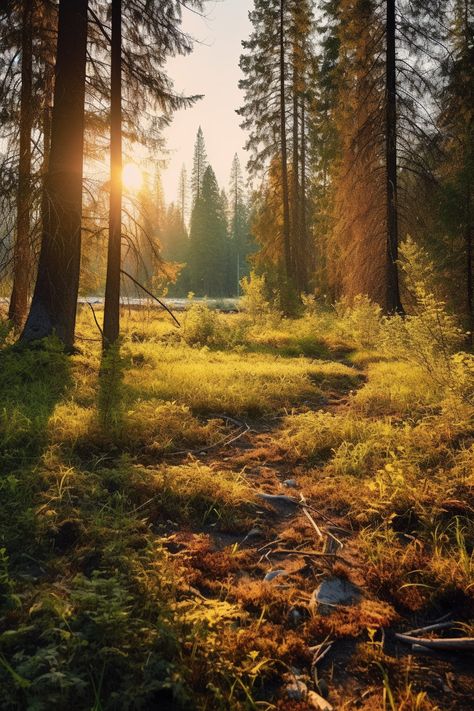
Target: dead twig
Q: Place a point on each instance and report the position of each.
(152, 296)
(288, 551)
(224, 442)
(95, 319)
(312, 522)
(309, 554)
(452, 644)
(268, 545)
(323, 516)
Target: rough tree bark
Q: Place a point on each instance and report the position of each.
(306, 265)
(468, 200)
(392, 300)
(112, 288)
(22, 257)
(54, 303)
(284, 155)
(296, 211)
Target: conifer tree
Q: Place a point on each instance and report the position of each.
(158, 23)
(208, 238)
(240, 246)
(265, 84)
(53, 307)
(301, 59)
(28, 42)
(22, 260)
(111, 327)
(199, 166)
(183, 194)
(383, 48)
(276, 68)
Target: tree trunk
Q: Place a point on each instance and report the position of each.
(22, 258)
(284, 156)
(47, 114)
(303, 204)
(392, 301)
(296, 207)
(54, 304)
(469, 284)
(112, 287)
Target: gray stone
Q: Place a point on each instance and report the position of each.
(297, 690)
(290, 483)
(274, 574)
(333, 592)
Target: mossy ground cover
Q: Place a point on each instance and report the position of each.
(129, 488)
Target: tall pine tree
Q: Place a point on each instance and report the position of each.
(200, 164)
(208, 240)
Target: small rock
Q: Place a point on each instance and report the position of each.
(333, 592)
(290, 483)
(296, 616)
(317, 702)
(297, 690)
(274, 574)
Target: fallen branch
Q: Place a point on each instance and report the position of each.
(288, 551)
(459, 643)
(309, 554)
(225, 442)
(152, 296)
(319, 653)
(419, 649)
(95, 319)
(312, 522)
(310, 507)
(429, 628)
(268, 545)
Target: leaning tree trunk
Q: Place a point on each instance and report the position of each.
(392, 300)
(54, 304)
(284, 155)
(112, 287)
(22, 257)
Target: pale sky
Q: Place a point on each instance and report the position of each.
(213, 70)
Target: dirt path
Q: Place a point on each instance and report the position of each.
(294, 544)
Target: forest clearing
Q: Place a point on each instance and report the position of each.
(236, 355)
(146, 569)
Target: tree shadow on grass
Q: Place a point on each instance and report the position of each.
(110, 401)
(32, 382)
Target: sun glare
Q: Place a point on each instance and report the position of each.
(132, 177)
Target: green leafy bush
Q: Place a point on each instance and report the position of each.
(203, 326)
(429, 334)
(200, 326)
(359, 321)
(255, 301)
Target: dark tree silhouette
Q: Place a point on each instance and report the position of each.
(112, 289)
(54, 303)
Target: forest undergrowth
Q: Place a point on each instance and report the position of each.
(137, 551)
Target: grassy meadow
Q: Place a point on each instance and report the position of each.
(134, 541)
